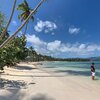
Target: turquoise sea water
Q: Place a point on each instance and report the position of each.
(72, 68)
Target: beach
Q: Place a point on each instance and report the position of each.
(28, 81)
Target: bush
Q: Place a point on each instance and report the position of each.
(2, 66)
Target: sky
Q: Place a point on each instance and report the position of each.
(62, 28)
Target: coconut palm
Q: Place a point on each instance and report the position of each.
(26, 10)
(25, 22)
(5, 29)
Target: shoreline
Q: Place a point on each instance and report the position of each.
(28, 81)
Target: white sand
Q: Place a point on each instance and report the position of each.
(41, 85)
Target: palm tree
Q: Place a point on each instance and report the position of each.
(25, 22)
(5, 29)
(26, 10)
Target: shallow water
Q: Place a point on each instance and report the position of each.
(73, 68)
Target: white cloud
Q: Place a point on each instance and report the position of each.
(35, 40)
(46, 26)
(74, 30)
(82, 46)
(58, 48)
(54, 46)
(14, 23)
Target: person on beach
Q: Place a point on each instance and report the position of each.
(93, 71)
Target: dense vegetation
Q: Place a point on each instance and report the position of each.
(13, 52)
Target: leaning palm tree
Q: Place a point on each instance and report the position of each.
(26, 10)
(5, 29)
(24, 23)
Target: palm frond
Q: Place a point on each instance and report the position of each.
(21, 7)
(32, 18)
(22, 14)
(25, 2)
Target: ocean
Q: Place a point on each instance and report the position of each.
(72, 68)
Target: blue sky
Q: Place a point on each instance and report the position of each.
(62, 28)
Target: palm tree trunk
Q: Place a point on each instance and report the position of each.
(26, 29)
(11, 37)
(5, 30)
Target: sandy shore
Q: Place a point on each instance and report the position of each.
(29, 82)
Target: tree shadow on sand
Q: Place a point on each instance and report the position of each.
(6, 84)
(74, 72)
(41, 97)
(24, 68)
(15, 94)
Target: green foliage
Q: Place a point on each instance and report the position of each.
(2, 27)
(26, 10)
(13, 52)
(2, 21)
(4, 38)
